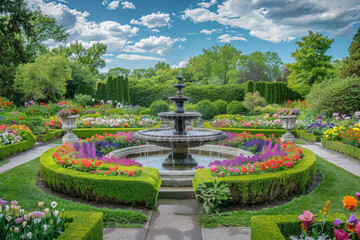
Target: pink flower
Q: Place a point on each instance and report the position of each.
(19, 220)
(358, 195)
(358, 229)
(37, 214)
(307, 218)
(213, 169)
(117, 124)
(340, 234)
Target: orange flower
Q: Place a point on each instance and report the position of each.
(21, 118)
(350, 203)
(350, 227)
(126, 124)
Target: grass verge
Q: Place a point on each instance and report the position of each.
(336, 183)
(3, 162)
(20, 184)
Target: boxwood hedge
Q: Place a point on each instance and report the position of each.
(83, 225)
(341, 147)
(142, 190)
(51, 135)
(28, 142)
(250, 189)
(308, 136)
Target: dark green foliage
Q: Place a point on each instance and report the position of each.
(308, 136)
(207, 109)
(109, 88)
(51, 135)
(145, 94)
(341, 147)
(82, 99)
(101, 91)
(250, 86)
(141, 190)
(212, 197)
(126, 91)
(221, 106)
(336, 95)
(249, 189)
(121, 88)
(236, 107)
(158, 107)
(351, 65)
(274, 92)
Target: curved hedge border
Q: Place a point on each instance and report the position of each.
(83, 225)
(281, 227)
(88, 132)
(142, 190)
(267, 132)
(51, 135)
(341, 147)
(308, 136)
(250, 189)
(8, 150)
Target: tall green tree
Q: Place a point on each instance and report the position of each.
(312, 64)
(45, 79)
(82, 81)
(88, 57)
(351, 64)
(114, 72)
(138, 73)
(258, 66)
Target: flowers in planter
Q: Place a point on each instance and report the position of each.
(288, 112)
(68, 112)
(347, 228)
(43, 224)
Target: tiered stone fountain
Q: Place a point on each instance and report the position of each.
(180, 139)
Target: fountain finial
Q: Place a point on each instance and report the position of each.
(180, 78)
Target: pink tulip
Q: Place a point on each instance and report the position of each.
(307, 218)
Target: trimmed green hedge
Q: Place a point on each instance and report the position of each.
(250, 189)
(51, 135)
(308, 136)
(281, 227)
(8, 150)
(83, 225)
(88, 132)
(341, 147)
(142, 190)
(267, 132)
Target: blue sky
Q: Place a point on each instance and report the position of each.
(139, 33)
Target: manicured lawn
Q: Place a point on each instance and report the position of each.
(20, 184)
(336, 183)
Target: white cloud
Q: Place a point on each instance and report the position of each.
(181, 64)
(282, 20)
(159, 45)
(113, 5)
(207, 4)
(110, 60)
(127, 5)
(154, 20)
(63, 1)
(208, 32)
(139, 57)
(155, 30)
(81, 29)
(108, 55)
(227, 38)
(104, 2)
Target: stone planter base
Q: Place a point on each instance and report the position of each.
(69, 124)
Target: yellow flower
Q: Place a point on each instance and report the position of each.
(326, 208)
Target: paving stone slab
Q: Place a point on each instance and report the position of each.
(228, 233)
(124, 233)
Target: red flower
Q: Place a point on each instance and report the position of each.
(107, 172)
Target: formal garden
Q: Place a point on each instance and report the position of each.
(84, 151)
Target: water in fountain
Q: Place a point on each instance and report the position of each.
(180, 139)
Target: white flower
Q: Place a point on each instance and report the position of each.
(56, 213)
(7, 208)
(16, 230)
(21, 211)
(29, 235)
(45, 227)
(24, 224)
(53, 204)
(8, 218)
(37, 220)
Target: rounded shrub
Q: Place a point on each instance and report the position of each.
(207, 109)
(221, 106)
(158, 107)
(235, 107)
(115, 111)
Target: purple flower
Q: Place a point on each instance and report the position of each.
(199, 167)
(19, 220)
(14, 203)
(352, 219)
(335, 114)
(3, 202)
(337, 222)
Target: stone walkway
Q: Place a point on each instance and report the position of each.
(178, 219)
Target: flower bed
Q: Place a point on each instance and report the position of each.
(127, 121)
(51, 135)
(341, 147)
(27, 140)
(140, 190)
(252, 188)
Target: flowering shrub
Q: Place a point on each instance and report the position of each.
(42, 224)
(288, 112)
(126, 121)
(68, 112)
(54, 123)
(319, 127)
(12, 134)
(348, 135)
(296, 104)
(349, 228)
(89, 156)
(6, 105)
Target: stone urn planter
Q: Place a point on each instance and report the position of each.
(68, 123)
(288, 125)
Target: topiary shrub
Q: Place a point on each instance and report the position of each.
(221, 106)
(207, 109)
(115, 111)
(253, 100)
(158, 107)
(335, 96)
(235, 107)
